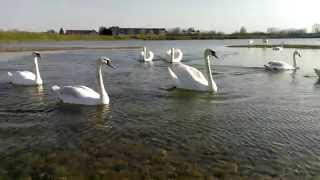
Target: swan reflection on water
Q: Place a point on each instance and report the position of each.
(38, 90)
(99, 116)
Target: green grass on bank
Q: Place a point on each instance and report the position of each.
(12, 37)
(7, 37)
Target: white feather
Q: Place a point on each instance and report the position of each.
(82, 94)
(190, 78)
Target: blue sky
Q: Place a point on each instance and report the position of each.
(220, 15)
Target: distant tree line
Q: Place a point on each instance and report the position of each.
(104, 31)
(192, 33)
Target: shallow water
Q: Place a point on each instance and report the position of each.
(266, 122)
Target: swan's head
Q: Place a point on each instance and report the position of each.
(298, 53)
(210, 52)
(36, 54)
(178, 51)
(106, 61)
(174, 50)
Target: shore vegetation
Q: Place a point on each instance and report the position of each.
(21, 36)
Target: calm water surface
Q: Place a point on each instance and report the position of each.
(266, 122)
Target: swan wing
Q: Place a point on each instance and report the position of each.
(26, 78)
(78, 92)
(150, 56)
(189, 73)
(87, 90)
(188, 77)
(173, 75)
(24, 75)
(279, 65)
(168, 52)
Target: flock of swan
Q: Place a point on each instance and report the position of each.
(183, 76)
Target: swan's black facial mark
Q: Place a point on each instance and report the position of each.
(36, 54)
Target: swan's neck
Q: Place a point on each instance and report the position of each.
(36, 70)
(180, 54)
(144, 53)
(172, 54)
(101, 90)
(212, 87)
(294, 61)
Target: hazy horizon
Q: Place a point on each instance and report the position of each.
(227, 16)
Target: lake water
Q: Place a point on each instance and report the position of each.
(267, 123)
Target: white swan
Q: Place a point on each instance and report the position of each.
(281, 65)
(265, 41)
(277, 48)
(27, 78)
(147, 56)
(190, 78)
(174, 55)
(250, 42)
(83, 95)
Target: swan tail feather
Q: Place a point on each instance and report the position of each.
(174, 77)
(56, 89)
(9, 77)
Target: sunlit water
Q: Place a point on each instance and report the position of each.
(267, 122)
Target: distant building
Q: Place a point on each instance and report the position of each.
(273, 30)
(115, 30)
(81, 32)
(51, 31)
(294, 31)
(286, 31)
(316, 28)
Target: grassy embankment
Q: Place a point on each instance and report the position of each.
(7, 37)
(12, 37)
(289, 46)
(16, 37)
